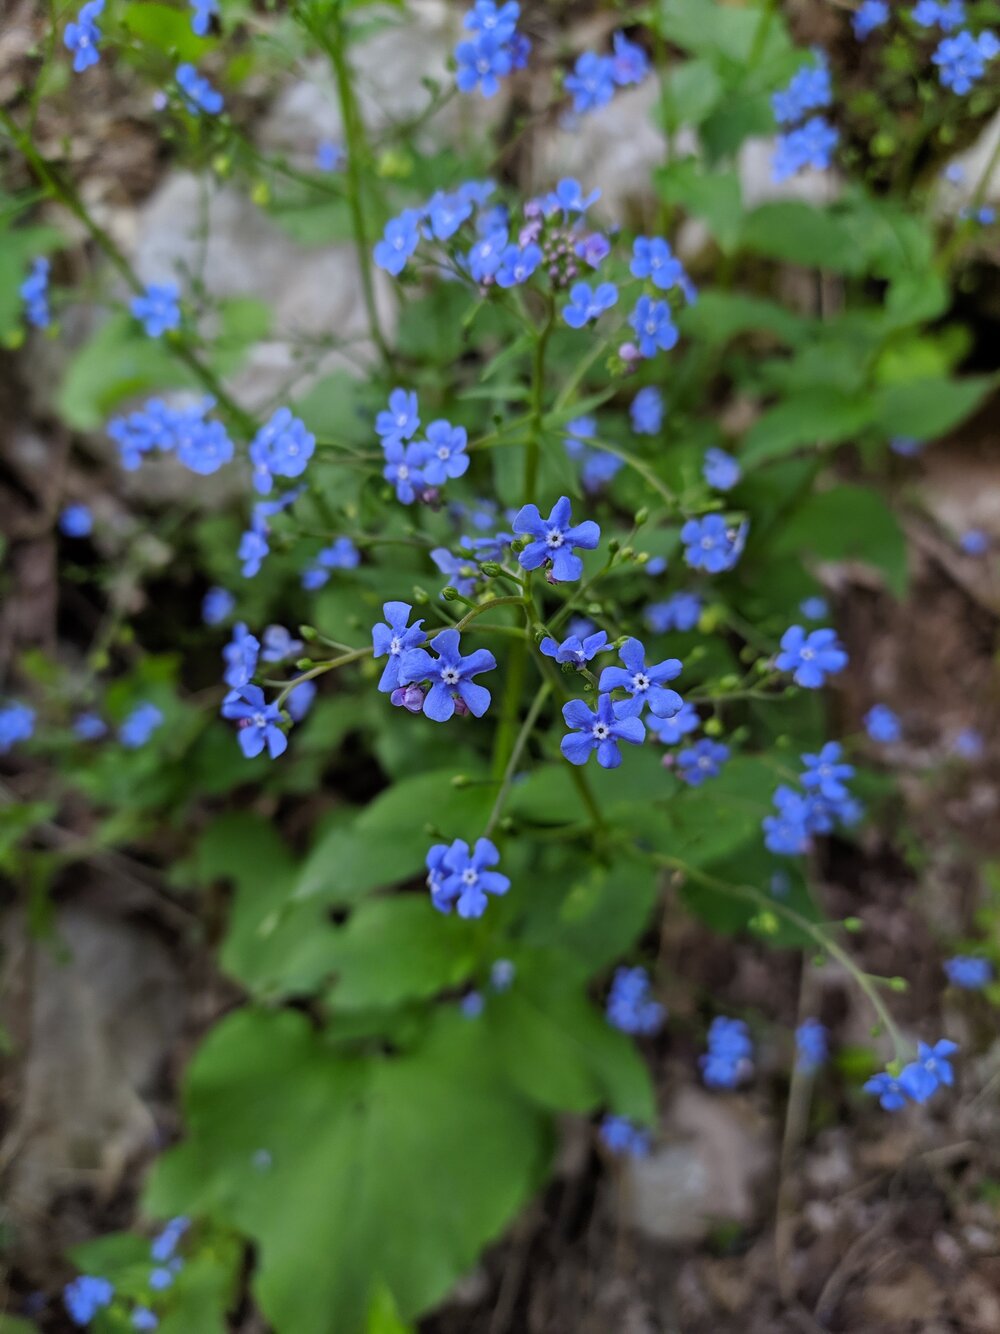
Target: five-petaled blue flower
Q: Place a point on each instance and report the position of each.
(645, 685)
(157, 309)
(400, 420)
(89, 727)
(17, 723)
(654, 326)
(341, 554)
(450, 675)
(240, 656)
(652, 258)
(680, 611)
(259, 722)
(216, 605)
(139, 726)
(82, 38)
(517, 265)
(486, 16)
(462, 573)
(720, 470)
(395, 637)
(815, 608)
(554, 539)
(487, 254)
(728, 1059)
(482, 63)
(808, 146)
(711, 544)
(460, 878)
(620, 1137)
(197, 92)
(630, 62)
(869, 15)
(646, 411)
(85, 1296)
(630, 1006)
(277, 644)
(329, 156)
(445, 213)
(399, 240)
(882, 724)
(810, 657)
(144, 1319)
(404, 468)
(890, 1093)
(673, 730)
(568, 196)
(789, 832)
(968, 972)
(929, 1071)
(281, 448)
(592, 82)
(826, 773)
(204, 12)
(586, 304)
(444, 452)
(600, 731)
(701, 761)
(574, 649)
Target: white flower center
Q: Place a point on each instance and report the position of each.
(450, 676)
(651, 326)
(601, 731)
(258, 720)
(443, 452)
(395, 645)
(402, 472)
(640, 681)
(469, 876)
(806, 654)
(554, 538)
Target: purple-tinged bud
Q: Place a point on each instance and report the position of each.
(631, 356)
(431, 496)
(409, 697)
(461, 708)
(533, 208)
(529, 233)
(668, 760)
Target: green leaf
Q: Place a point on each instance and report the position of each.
(718, 316)
(165, 29)
(595, 913)
(721, 30)
(691, 91)
(798, 233)
(815, 417)
(397, 1170)
(712, 196)
(388, 841)
(204, 1291)
(395, 949)
(243, 321)
(927, 409)
(848, 523)
(118, 362)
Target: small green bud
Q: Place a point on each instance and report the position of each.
(303, 664)
(628, 553)
(460, 780)
(491, 568)
(729, 682)
(614, 546)
(713, 727)
(853, 924)
(450, 594)
(421, 595)
(309, 633)
(641, 516)
(899, 984)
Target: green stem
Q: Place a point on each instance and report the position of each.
(530, 719)
(488, 606)
(321, 667)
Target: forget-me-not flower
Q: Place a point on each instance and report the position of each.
(811, 657)
(598, 730)
(450, 674)
(394, 637)
(554, 539)
(645, 685)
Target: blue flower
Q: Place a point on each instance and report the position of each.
(720, 470)
(485, 16)
(329, 156)
(517, 265)
(810, 657)
(681, 611)
(929, 14)
(89, 727)
(278, 644)
(554, 539)
(400, 421)
(808, 146)
(593, 249)
(592, 82)
(487, 254)
(339, 555)
(140, 725)
(204, 12)
(711, 544)
(143, 1318)
(600, 731)
(629, 1006)
(808, 91)
(620, 1137)
(654, 326)
(968, 972)
(445, 454)
(630, 62)
(811, 1045)
(482, 63)
(673, 730)
(86, 1295)
(160, 1278)
(259, 722)
(814, 608)
(574, 649)
(34, 293)
(869, 15)
(472, 1004)
(157, 309)
(462, 573)
(788, 833)
(240, 656)
(729, 1056)
(568, 197)
(701, 761)
(197, 92)
(460, 878)
(974, 542)
(399, 240)
(76, 521)
(645, 685)
(165, 1243)
(217, 605)
(646, 411)
(251, 552)
(577, 431)
(202, 446)
(888, 1089)
(82, 38)
(968, 744)
(450, 675)
(961, 60)
(445, 214)
(404, 468)
(827, 773)
(585, 305)
(394, 637)
(281, 448)
(652, 258)
(882, 724)
(17, 723)
(300, 700)
(906, 446)
(932, 1068)
(502, 974)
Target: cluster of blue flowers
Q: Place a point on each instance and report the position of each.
(824, 803)
(962, 59)
(919, 1080)
(713, 545)
(158, 308)
(595, 77)
(417, 468)
(597, 466)
(811, 143)
(199, 443)
(83, 36)
(445, 682)
(680, 611)
(34, 292)
(254, 546)
(969, 972)
(494, 50)
(85, 1296)
(624, 1139)
(811, 1045)
(630, 1006)
(459, 877)
(197, 93)
(729, 1059)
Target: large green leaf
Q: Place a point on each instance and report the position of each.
(718, 316)
(395, 1170)
(798, 233)
(711, 196)
(117, 362)
(813, 417)
(848, 523)
(926, 409)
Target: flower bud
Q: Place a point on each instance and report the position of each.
(410, 698)
(450, 594)
(491, 568)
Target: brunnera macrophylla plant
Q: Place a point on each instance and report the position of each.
(563, 628)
